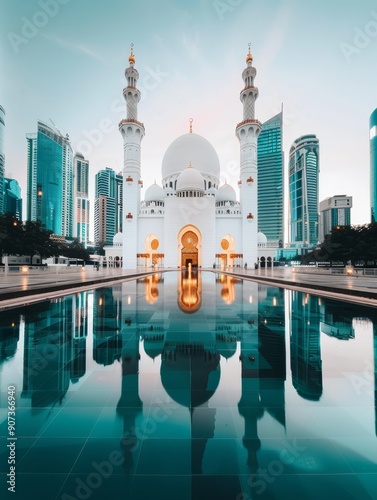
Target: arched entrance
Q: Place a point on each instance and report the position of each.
(152, 257)
(189, 244)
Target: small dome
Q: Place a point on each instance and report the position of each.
(190, 148)
(226, 193)
(154, 193)
(118, 239)
(190, 179)
(154, 344)
(262, 238)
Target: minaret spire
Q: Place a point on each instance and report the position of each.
(191, 120)
(132, 132)
(247, 132)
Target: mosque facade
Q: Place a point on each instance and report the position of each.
(190, 220)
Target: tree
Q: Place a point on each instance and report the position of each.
(37, 241)
(76, 250)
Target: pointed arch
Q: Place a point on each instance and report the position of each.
(189, 246)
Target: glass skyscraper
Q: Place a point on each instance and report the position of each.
(82, 205)
(270, 180)
(12, 202)
(373, 164)
(333, 212)
(50, 180)
(2, 155)
(303, 191)
(108, 206)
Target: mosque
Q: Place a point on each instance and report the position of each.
(191, 220)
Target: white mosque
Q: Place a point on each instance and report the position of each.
(190, 219)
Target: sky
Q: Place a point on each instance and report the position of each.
(64, 60)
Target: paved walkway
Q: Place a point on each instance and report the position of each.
(16, 289)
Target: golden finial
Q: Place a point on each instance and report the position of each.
(190, 165)
(191, 120)
(131, 59)
(249, 57)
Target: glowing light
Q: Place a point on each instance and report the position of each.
(250, 299)
(129, 300)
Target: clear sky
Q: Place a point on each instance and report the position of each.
(65, 62)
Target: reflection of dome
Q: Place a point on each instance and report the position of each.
(226, 193)
(118, 240)
(154, 193)
(226, 344)
(153, 343)
(190, 148)
(262, 238)
(190, 179)
(190, 373)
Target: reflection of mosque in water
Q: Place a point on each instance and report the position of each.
(190, 326)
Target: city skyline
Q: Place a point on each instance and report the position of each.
(190, 59)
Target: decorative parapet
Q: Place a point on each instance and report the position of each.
(245, 122)
(130, 120)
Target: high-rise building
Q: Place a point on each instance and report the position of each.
(373, 164)
(333, 212)
(12, 202)
(2, 154)
(50, 180)
(82, 205)
(107, 206)
(271, 180)
(303, 191)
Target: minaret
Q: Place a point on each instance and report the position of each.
(247, 132)
(132, 132)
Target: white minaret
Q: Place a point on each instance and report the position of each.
(132, 132)
(247, 132)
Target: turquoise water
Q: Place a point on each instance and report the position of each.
(190, 387)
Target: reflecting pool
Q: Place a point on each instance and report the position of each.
(189, 386)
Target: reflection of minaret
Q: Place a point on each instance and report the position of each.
(249, 405)
(130, 404)
(306, 363)
(107, 324)
(48, 340)
(9, 333)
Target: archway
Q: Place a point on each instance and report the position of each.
(153, 258)
(189, 245)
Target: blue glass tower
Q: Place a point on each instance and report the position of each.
(373, 164)
(2, 155)
(12, 202)
(82, 204)
(50, 180)
(270, 179)
(303, 191)
(107, 206)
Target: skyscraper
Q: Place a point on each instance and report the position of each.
(333, 212)
(50, 180)
(108, 206)
(303, 191)
(82, 205)
(373, 164)
(12, 202)
(2, 155)
(270, 179)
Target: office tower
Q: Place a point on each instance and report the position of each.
(303, 191)
(2, 154)
(333, 212)
(50, 180)
(12, 202)
(82, 205)
(271, 180)
(373, 164)
(107, 206)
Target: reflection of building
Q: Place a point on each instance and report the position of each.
(107, 325)
(47, 351)
(80, 332)
(50, 180)
(334, 321)
(306, 363)
(303, 191)
(271, 180)
(9, 333)
(333, 212)
(191, 218)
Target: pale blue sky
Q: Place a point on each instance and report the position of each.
(190, 56)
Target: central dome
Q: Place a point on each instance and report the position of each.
(190, 148)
